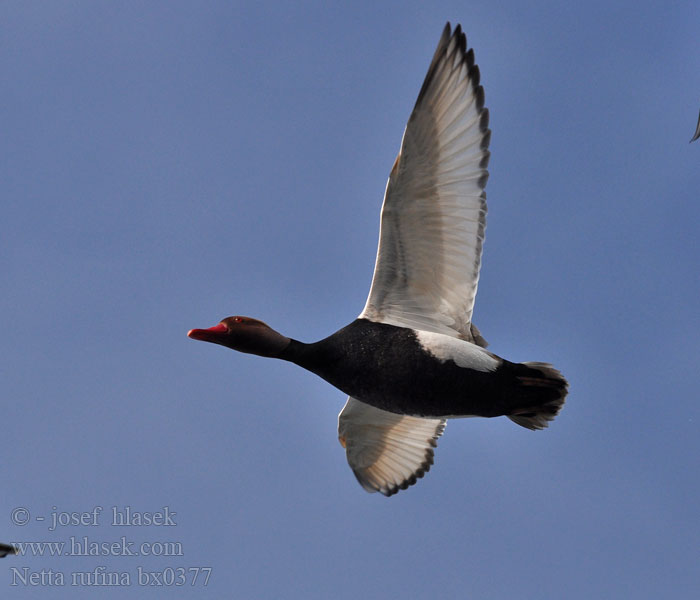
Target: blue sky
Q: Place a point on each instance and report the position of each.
(168, 164)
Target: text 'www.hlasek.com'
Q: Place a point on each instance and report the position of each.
(162, 558)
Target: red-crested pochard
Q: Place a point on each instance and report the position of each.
(412, 359)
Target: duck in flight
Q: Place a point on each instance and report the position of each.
(413, 358)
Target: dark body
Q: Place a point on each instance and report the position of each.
(386, 366)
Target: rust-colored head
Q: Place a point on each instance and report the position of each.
(245, 335)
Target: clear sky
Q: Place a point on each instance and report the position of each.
(168, 164)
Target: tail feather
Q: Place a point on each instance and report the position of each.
(547, 388)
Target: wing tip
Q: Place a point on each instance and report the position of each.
(419, 473)
(389, 477)
(486, 140)
(452, 43)
(452, 52)
(697, 132)
(480, 97)
(423, 468)
(484, 162)
(484, 119)
(473, 69)
(446, 32)
(460, 39)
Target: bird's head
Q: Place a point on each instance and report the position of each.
(245, 335)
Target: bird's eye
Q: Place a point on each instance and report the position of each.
(238, 320)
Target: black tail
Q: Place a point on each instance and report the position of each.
(543, 391)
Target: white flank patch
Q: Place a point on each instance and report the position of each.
(464, 354)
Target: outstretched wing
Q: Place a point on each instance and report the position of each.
(387, 452)
(434, 211)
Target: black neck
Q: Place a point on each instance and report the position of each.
(295, 351)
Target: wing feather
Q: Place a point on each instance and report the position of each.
(434, 211)
(387, 452)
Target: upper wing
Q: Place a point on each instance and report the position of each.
(434, 211)
(387, 452)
